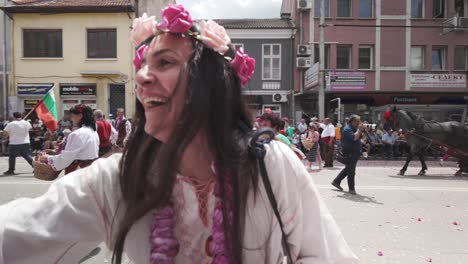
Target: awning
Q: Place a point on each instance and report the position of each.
(451, 100)
(369, 100)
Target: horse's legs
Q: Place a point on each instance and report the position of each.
(405, 167)
(423, 164)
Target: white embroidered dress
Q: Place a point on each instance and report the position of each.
(82, 144)
(76, 214)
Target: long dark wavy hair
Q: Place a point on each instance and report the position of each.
(88, 117)
(148, 167)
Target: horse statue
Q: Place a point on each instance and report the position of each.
(422, 134)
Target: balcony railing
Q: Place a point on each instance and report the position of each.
(271, 85)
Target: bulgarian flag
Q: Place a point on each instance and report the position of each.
(46, 110)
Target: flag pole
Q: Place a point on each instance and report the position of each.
(24, 118)
(40, 101)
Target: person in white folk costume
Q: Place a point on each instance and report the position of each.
(81, 146)
(185, 189)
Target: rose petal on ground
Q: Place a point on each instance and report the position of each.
(455, 223)
(380, 253)
(428, 260)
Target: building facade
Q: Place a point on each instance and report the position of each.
(270, 42)
(406, 53)
(151, 7)
(80, 48)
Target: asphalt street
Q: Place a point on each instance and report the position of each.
(393, 219)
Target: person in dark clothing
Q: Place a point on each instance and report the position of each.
(351, 148)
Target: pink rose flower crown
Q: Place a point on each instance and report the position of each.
(177, 20)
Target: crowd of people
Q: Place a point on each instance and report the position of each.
(319, 140)
(30, 137)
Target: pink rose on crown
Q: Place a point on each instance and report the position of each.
(139, 54)
(175, 19)
(142, 28)
(214, 36)
(243, 66)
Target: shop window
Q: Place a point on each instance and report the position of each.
(275, 108)
(102, 43)
(317, 55)
(365, 57)
(417, 58)
(271, 61)
(343, 57)
(438, 58)
(343, 8)
(438, 9)
(460, 58)
(42, 43)
(365, 8)
(326, 5)
(417, 8)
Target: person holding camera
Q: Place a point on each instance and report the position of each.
(351, 147)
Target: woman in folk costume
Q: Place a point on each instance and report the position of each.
(185, 189)
(314, 152)
(81, 146)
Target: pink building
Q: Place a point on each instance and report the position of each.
(381, 53)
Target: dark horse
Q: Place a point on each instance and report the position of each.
(421, 134)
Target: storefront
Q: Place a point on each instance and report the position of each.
(29, 95)
(73, 94)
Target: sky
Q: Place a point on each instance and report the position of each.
(204, 9)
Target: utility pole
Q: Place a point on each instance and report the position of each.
(321, 91)
(5, 66)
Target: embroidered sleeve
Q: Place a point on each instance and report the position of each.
(69, 220)
(69, 154)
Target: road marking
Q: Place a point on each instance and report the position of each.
(401, 188)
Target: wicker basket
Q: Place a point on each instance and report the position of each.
(44, 171)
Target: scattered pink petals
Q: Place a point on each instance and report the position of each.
(419, 219)
(428, 260)
(380, 253)
(455, 223)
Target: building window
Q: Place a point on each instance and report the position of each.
(343, 57)
(417, 7)
(344, 8)
(460, 7)
(460, 58)
(237, 46)
(271, 61)
(317, 55)
(438, 9)
(102, 43)
(365, 57)
(365, 8)
(42, 43)
(317, 8)
(438, 58)
(417, 58)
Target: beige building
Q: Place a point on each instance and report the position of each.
(78, 47)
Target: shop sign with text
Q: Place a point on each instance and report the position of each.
(438, 81)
